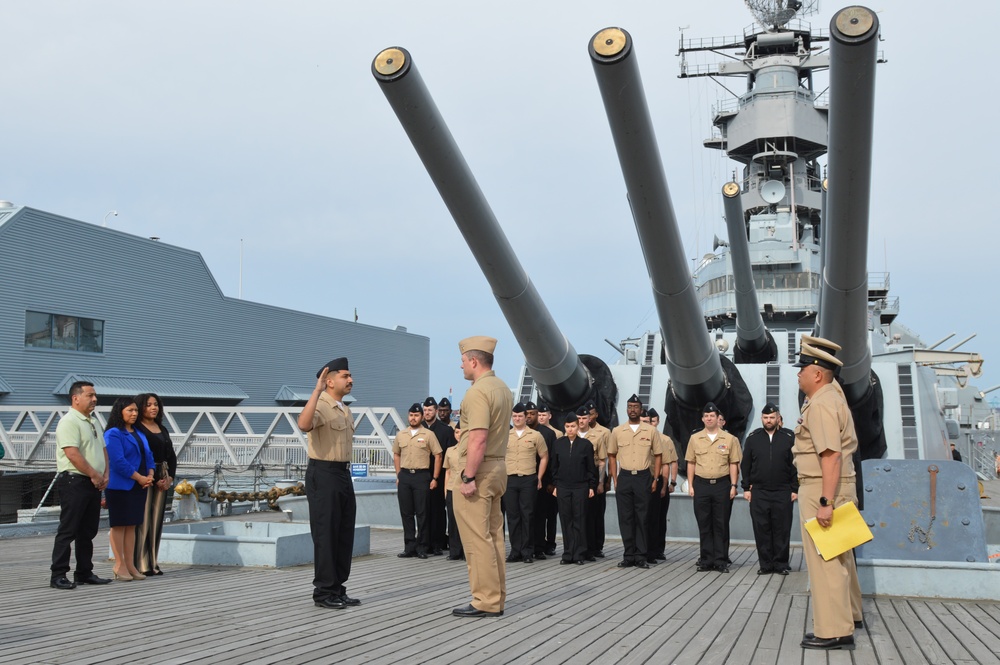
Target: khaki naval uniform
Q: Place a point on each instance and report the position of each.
(827, 424)
(638, 456)
(598, 437)
(523, 452)
(712, 484)
(416, 450)
(660, 505)
(487, 405)
(330, 494)
(451, 489)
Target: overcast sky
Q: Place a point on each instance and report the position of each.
(207, 122)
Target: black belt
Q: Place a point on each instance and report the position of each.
(713, 481)
(328, 463)
(634, 473)
(416, 470)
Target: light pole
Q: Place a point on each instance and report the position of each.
(110, 212)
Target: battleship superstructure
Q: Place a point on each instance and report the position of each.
(795, 262)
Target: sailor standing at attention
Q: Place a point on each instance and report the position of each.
(527, 458)
(634, 456)
(437, 515)
(825, 442)
(329, 489)
(482, 447)
(543, 520)
(599, 435)
(713, 458)
(416, 455)
(770, 485)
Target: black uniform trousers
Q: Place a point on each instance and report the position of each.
(544, 522)
(712, 506)
(413, 492)
(633, 495)
(332, 510)
(79, 520)
(771, 514)
(520, 499)
(657, 522)
(454, 539)
(437, 516)
(595, 522)
(572, 504)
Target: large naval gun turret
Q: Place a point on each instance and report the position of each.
(564, 379)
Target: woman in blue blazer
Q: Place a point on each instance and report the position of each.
(131, 473)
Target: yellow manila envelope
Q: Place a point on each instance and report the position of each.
(847, 531)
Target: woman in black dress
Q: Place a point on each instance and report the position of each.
(147, 534)
(131, 472)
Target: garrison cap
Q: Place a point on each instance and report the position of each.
(653, 413)
(634, 399)
(583, 412)
(478, 343)
(643, 413)
(769, 408)
(430, 402)
(530, 406)
(590, 406)
(818, 351)
(710, 408)
(416, 408)
(335, 365)
(543, 408)
(444, 402)
(519, 408)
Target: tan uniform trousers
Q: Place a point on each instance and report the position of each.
(833, 584)
(480, 524)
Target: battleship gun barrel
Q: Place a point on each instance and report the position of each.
(844, 315)
(562, 378)
(692, 360)
(753, 342)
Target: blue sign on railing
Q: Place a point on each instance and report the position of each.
(359, 470)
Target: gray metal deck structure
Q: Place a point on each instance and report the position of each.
(555, 614)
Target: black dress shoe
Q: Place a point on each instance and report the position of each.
(858, 625)
(540, 556)
(828, 643)
(652, 562)
(470, 611)
(406, 555)
(421, 555)
(764, 571)
(590, 558)
(347, 600)
(704, 569)
(661, 557)
(579, 562)
(625, 564)
(782, 571)
(92, 579)
(722, 569)
(330, 603)
(641, 564)
(437, 552)
(599, 554)
(528, 559)
(551, 551)
(455, 557)
(61, 583)
(564, 562)
(512, 558)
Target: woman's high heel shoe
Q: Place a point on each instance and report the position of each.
(137, 576)
(123, 577)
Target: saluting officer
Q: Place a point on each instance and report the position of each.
(482, 450)
(543, 521)
(634, 456)
(412, 452)
(770, 485)
(527, 458)
(437, 517)
(713, 458)
(825, 442)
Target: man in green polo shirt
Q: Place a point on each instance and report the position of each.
(82, 473)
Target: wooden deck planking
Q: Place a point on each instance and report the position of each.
(555, 615)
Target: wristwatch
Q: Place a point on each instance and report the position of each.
(467, 479)
(823, 501)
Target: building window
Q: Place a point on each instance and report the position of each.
(57, 331)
